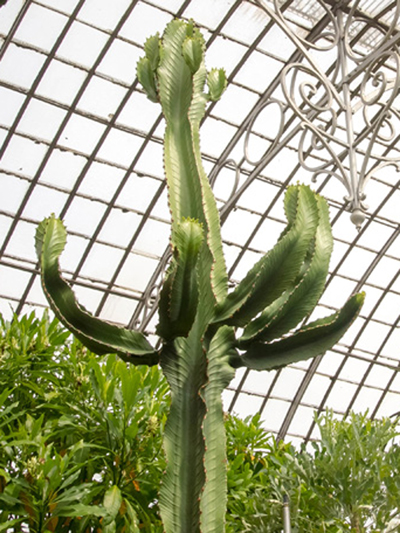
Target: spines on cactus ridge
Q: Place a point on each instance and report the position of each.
(307, 342)
(275, 272)
(298, 301)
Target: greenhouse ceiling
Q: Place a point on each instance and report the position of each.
(80, 139)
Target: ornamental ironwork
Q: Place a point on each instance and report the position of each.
(346, 117)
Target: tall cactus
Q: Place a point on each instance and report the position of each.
(206, 332)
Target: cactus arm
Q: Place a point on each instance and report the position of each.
(175, 82)
(184, 366)
(180, 78)
(286, 312)
(147, 66)
(220, 373)
(219, 276)
(278, 269)
(309, 341)
(99, 336)
(179, 296)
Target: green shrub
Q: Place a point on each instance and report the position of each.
(81, 450)
(348, 481)
(80, 436)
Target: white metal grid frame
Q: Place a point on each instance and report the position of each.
(79, 138)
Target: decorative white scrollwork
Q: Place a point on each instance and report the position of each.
(363, 36)
(346, 114)
(231, 164)
(330, 36)
(275, 135)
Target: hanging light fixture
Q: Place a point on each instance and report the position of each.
(346, 114)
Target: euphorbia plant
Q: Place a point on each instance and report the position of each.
(207, 332)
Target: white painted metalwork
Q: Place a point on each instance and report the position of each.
(346, 113)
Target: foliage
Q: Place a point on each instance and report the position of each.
(348, 481)
(258, 477)
(205, 332)
(81, 445)
(353, 473)
(80, 437)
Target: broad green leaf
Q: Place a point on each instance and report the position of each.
(12, 410)
(220, 374)
(4, 474)
(78, 510)
(99, 336)
(4, 395)
(7, 501)
(109, 527)
(131, 520)
(11, 523)
(312, 340)
(130, 383)
(112, 502)
(74, 493)
(70, 479)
